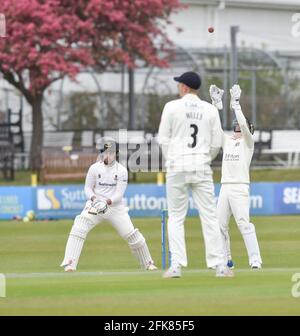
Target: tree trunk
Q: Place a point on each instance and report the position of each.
(37, 134)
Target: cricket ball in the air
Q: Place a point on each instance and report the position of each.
(211, 29)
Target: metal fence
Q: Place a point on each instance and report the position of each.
(140, 150)
(134, 100)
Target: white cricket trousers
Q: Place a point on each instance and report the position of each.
(120, 220)
(85, 222)
(234, 199)
(201, 184)
(116, 215)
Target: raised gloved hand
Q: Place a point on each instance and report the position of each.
(216, 95)
(235, 93)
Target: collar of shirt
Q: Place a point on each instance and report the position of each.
(109, 166)
(191, 96)
(237, 136)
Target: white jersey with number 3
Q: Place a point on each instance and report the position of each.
(189, 129)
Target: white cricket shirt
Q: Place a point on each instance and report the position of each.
(106, 182)
(189, 129)
(237, 153)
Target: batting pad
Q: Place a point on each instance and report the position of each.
(77, 236)
(139, 248)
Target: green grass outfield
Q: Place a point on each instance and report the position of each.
(108, 281)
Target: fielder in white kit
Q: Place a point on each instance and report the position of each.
(234, 195)
(190, 134)
(105, 184)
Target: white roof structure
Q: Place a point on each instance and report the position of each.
(269, 24)
(273, 4)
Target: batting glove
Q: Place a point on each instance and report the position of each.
(235, 93)
(216, 95)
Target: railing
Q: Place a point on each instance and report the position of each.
(277, 148)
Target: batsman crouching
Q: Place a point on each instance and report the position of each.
(105, 184)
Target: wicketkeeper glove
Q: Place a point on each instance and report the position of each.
(216, 95)
(235, 93)
(98, 207)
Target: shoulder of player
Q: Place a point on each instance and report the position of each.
(180, 101)
(228, 139)
(95, 166)
(227, 136)
(172, 103)
(209, 106)
(121, 168)
(250, 139)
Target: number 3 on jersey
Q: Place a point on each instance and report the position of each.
(193, 135)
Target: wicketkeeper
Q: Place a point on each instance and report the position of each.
(234, 198)
(105, 184)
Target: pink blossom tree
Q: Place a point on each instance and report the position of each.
(49, 39)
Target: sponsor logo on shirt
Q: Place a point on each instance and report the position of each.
(107, 184)
(231, 157)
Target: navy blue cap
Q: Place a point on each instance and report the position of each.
(190, 79)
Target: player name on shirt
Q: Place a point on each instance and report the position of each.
(194, 115)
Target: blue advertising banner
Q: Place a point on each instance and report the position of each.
(148, 200)
(287, 198)
(59, 201)
(143, 200)
(15, 201)
(261, 199)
